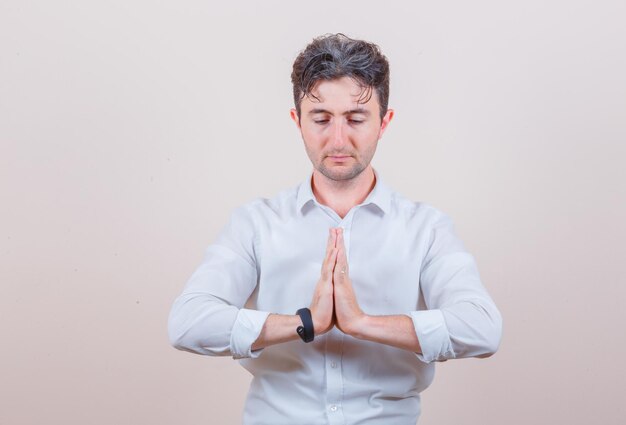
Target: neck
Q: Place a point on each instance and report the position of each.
(342, 195)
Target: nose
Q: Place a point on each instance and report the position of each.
(339, 134)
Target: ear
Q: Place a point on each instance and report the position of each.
(386, 120)
(295, 117)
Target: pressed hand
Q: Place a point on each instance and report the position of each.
(347, 310)
(322, 304)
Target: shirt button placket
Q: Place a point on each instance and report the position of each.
(334, 378)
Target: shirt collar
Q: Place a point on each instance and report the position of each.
(380, 195)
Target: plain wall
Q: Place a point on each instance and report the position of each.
(129, 131)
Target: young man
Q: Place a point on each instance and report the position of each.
(338, 295)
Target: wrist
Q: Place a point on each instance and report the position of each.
(320, 326)
(358, 326)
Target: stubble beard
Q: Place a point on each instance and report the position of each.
(341, 173)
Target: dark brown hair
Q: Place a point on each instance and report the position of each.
(334, 56)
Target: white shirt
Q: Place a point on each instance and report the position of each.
(404, 258)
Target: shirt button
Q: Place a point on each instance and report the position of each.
(333, 364)
(333, 408)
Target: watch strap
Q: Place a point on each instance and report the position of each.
(306, 331)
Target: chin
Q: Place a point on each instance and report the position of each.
(341, 172)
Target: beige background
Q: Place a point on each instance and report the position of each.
(130, 130)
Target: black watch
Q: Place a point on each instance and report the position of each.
(306, 332)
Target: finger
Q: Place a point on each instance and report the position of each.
(340, 273)
(341, 257)
(330, 244)
(332, 238)
(329, 263)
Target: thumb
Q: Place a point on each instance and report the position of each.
(341, 269)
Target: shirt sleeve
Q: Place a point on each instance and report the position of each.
(461, 319)
(208, 317)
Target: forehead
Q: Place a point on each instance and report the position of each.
(340, 94)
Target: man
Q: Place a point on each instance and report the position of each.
(382, 286)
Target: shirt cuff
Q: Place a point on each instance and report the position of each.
(432, 334)
(246, 330)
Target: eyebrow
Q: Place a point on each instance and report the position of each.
(351, 111)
